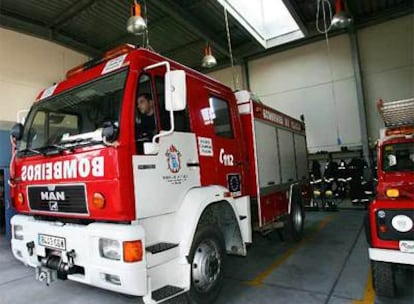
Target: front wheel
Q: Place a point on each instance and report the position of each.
(207, 257)
(383, 278)
(293, 229)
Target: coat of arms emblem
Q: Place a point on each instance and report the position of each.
(173, 159)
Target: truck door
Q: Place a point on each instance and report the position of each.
(161, 180)
(229, 158)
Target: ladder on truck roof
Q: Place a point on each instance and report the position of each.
(397, 113)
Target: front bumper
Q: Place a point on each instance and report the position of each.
(391, 256)
(84, 240)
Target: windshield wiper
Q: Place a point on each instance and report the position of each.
(34, 151)
(56, 149)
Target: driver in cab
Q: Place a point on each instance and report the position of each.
(146, 118)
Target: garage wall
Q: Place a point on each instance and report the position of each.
(319, 84)
(28, 65)
(310, 80)
(387, 59)
(226, 76)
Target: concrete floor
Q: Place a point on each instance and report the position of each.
(329, 266)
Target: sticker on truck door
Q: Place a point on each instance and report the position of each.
(234, 184)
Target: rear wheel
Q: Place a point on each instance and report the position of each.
(207, 257)
(383, 277)
(293, 229)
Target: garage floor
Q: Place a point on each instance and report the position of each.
(329, 266)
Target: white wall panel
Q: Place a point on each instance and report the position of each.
(312, 81)
(387, 46)
(391, 85)
(226, 76)
(28, 65)
(387, 55)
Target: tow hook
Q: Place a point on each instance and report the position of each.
(71, 255)
(46, 275)
(30, 247)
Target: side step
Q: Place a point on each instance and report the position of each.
(165, 293)
(160, 247)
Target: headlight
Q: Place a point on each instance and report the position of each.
(110, 249)
(18, 232)
(402, 223)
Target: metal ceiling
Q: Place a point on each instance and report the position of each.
(177, 29)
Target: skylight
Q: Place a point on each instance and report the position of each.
(269, 21)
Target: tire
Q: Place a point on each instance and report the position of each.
(207, 258)
(383, 278)
(293, 229)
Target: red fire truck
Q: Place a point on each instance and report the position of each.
(151, 213)
(391, 215)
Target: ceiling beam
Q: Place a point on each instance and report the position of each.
(30, 27)
(186, 19)
(294, 11)
(70, 13)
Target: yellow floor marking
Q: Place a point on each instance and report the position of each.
(259, 279)
(369, 294)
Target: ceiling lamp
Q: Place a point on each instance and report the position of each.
(209, 60)
(136, 24)
(340, 20)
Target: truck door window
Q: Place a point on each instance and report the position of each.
(398, 157)
(145, 117)
(221, 117)
(181, 121)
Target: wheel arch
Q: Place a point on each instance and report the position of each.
(204, 206)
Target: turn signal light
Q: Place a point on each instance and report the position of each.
(406, 130)
(133, 251)
(118, 51)
(393, 193)
(20, 198)
(383, 228)
(98, 200)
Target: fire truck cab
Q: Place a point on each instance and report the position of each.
(390, 227)
(138, 175)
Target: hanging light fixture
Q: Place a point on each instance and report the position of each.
(340, 20)
(136, 24)
(209, 60)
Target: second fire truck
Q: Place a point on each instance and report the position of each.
(390, 226)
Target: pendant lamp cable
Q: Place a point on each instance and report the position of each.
(226, 19)
(146, 39)
(328, 46)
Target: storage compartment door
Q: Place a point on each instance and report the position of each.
(287, 155)
(267, 155)
(268, 175)
(301, 157)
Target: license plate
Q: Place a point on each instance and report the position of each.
(407, 246)
(53, 242)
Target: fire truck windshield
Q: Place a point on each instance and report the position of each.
(68, 118)
(398, 157)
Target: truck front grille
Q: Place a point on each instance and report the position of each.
(58, 198)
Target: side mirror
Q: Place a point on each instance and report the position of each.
(109, 131)
(175, 90)
(17, 131)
